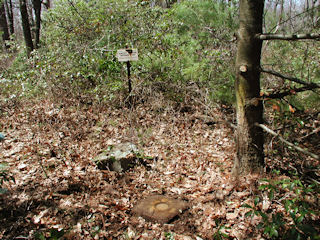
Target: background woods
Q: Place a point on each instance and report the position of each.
(224, 110)
(24, 16)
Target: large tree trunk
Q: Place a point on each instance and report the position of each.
(249, 138)
(4, 24)
(37, 11)
(26, 26)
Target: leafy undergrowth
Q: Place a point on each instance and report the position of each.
(58, 190)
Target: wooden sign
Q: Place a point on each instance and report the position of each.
(127, 55)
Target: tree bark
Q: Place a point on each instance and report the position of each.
(4, 24)
(37, 11)
(249, 137)
(10, 15)
(26, 26)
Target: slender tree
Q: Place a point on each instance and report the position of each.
(29, 6)
(249, 137)
(4, 24)
(37, 11)
(161, 3)
(10, 15)
(26, 26)
(249, 134)
(281, 2)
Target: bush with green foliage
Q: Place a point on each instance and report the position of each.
(176, 49)
(53, 234)
(297, 219)
(299, 59)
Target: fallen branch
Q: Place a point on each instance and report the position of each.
(288, 36)
(268, 130)
(293, 79)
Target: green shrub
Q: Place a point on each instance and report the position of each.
(176, 49)
(298, 202)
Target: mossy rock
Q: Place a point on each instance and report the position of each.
(119, 158)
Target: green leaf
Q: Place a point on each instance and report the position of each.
(300, 122)
(56, 234)
(256, 200)
(274, 232)
(287, 204)
(263, 187)
(3, 166)
(300, 219)
(250, 213)
(3, 190)
(263, 215)
(225, 235)
(271, 194)
(293, 215)
(39, 236)
(246, 206)
(260, 225)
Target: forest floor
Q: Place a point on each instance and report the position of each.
(49, 147)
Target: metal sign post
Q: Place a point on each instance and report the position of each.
(129, 77)
(127, 55)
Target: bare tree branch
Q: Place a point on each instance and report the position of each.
(76, 10)
(291, 91)
(293, 79)
(268, 130)
(295, 16)
(310, 134)
(288, 36)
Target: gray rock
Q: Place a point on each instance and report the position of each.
(118, 157)
(1, 137)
